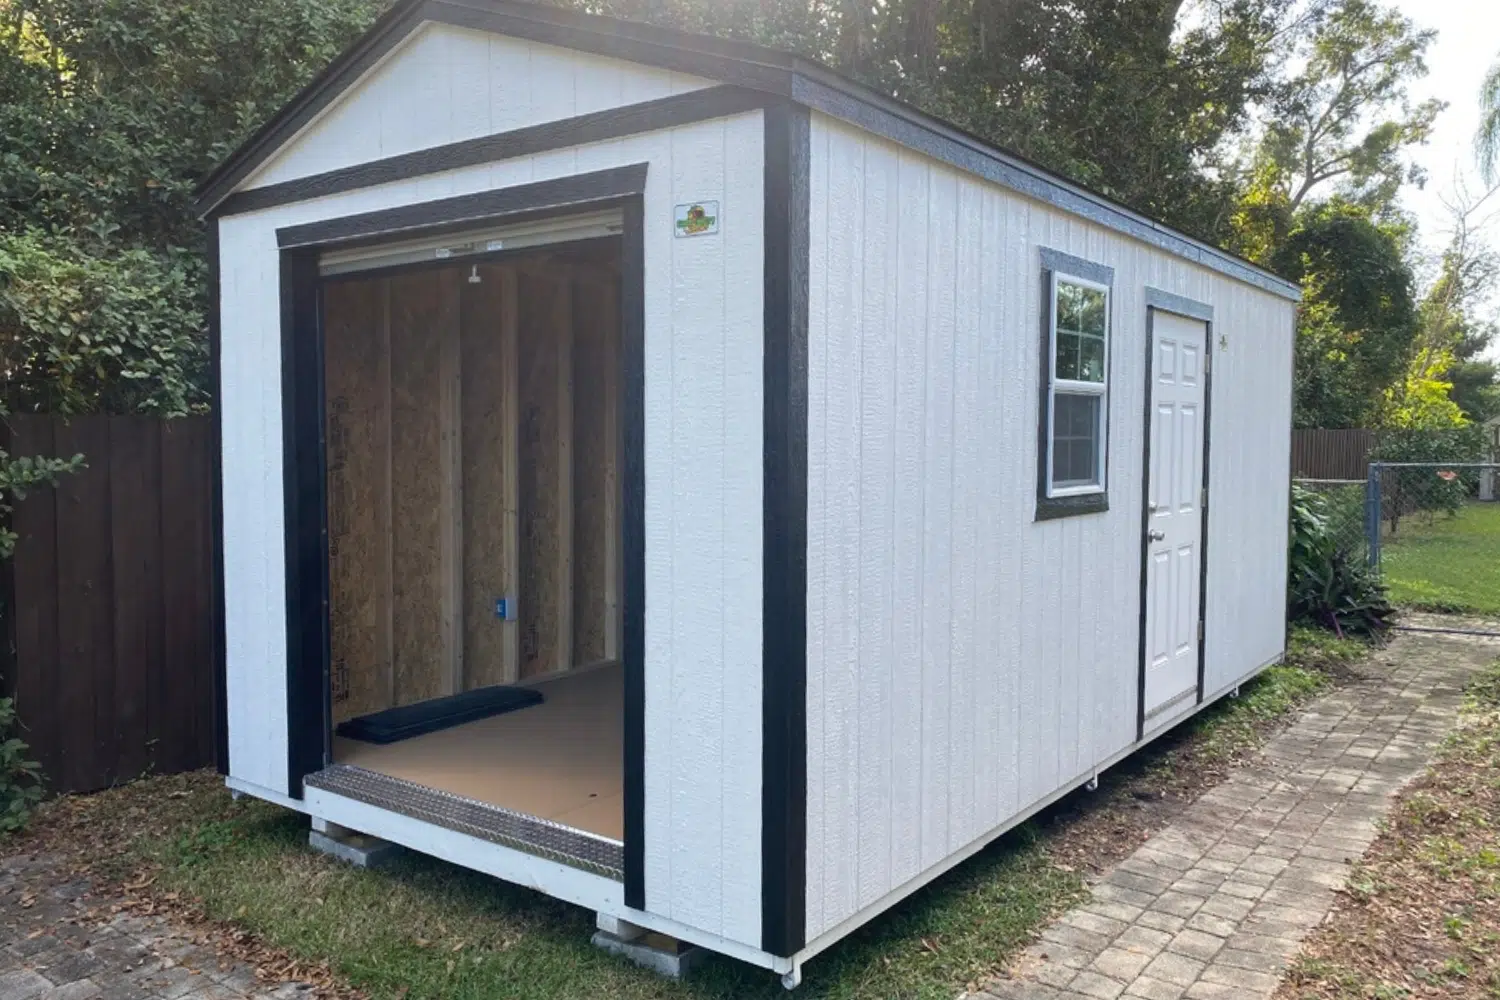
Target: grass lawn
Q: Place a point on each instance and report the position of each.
(425, 929)
(1421, 915)
(1447, 564)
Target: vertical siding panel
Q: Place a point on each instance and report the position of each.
(877, 597)
(936, 607)
(697, 697)
(968, 666)
(842, 474)
(990, 655)
(824, 275)
(662, 513)
(468, 70)
(742, 446)
(1016, 453)
(446, 84)
(911, 361)
(509, 94)
(1015, 669)
(413, 90)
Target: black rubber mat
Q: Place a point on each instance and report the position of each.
(405, 721)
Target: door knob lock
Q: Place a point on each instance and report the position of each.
(1156, 536)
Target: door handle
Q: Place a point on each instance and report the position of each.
(1156, 536)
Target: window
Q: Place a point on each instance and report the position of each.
(1072, 443)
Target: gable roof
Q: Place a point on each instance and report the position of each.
(741, 65)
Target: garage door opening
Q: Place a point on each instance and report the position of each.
(473, 442)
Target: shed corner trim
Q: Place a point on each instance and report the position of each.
(784, 541)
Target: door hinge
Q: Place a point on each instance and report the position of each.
(1200, 629)
(1203, 498)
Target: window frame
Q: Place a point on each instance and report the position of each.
(1054, 500)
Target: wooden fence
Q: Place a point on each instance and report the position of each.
(108, 600)
(1332, 454)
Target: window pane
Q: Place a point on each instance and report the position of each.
(1091, 359)
(1075, 439)
(1091, 318)
(1069, 305)
(1067, 355)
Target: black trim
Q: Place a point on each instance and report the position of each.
(807, 83)
(309, 712)
(633, 515)
(1054, 508)
(598, 126)
(216, 502)
(1150, 353)
(574, 193)
(1182, 306)
(1206, 498)
(823, 90)
(386, 33)
(741, 63)
(306, 530)
(784, 574)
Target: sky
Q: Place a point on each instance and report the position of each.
(1468, 43)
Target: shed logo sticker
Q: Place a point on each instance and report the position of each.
(699, 218)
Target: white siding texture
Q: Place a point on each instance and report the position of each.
(964, 660)
(703, 412)
(446, 84)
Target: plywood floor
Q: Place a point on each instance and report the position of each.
(561, 760)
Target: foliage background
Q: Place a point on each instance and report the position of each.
(1276, 128)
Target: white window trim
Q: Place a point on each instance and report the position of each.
(1100, 389)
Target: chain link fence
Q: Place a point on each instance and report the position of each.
(1432, 531)
(1343, 507)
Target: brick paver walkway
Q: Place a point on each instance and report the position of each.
(1215, 905)
(57, 942)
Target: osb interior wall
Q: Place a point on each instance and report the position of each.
(472, 447)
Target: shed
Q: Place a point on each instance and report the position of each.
(847, 489)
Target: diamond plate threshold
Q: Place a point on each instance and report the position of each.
(530, 834)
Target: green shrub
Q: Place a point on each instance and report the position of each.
(20, 778)
(1327, 584)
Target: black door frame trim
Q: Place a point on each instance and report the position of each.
(304, 482)
(784, 527)
(543, 199)
(305, 468)
(1160, 301)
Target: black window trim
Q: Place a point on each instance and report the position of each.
(1056, 263)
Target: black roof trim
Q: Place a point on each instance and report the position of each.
(739, 63)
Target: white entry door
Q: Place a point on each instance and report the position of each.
(1174, 520)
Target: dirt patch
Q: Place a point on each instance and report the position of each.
(1421, 913)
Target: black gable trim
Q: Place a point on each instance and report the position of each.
(598, 126)
(739, 63)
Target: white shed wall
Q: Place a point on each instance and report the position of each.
(964, 660)
(445, 84)
(703, 412)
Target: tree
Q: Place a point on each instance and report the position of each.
(1343, 120)
(1358, 319)
(1451, 340)
(1487, 143)
(114, 110)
